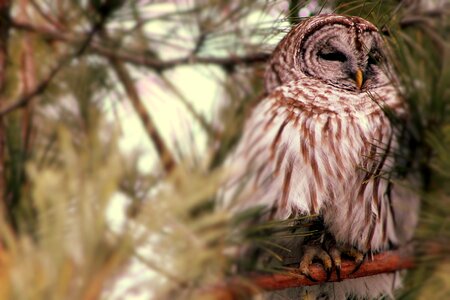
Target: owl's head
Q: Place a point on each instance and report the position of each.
(342, 51)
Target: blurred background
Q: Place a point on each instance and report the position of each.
(116, 118)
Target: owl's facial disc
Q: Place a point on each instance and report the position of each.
(344, 57)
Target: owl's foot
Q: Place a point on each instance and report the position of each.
(329, 253)
(337, 252)
(315, 252)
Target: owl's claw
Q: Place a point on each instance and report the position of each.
(336, 255)
(315, 252)
(358, 257)
(359, 261)
(338, 272)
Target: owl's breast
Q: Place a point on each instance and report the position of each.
(345, 148)
(301, 152)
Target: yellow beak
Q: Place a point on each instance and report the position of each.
(359, 78)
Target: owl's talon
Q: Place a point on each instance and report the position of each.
(336, 253)
(359, 263)
(338, 272)
(315, 252)
(356, 254)
(328, 271)
(307, 275)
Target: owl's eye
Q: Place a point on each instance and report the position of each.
(333, 56)
(374, 58)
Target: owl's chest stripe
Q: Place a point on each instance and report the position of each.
(287, 182)
(277, 138)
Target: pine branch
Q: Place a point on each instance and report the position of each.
(122, 73)
(142, 59)
(294, 9)
(165, 155)
(386, 262)
(27, 78)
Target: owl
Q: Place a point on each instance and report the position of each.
(322, 142)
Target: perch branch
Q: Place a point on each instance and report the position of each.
(235, 288)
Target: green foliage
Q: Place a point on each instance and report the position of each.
(189, 246)
(70, 253)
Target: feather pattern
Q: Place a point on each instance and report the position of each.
(305, 154)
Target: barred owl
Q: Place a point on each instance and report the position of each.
(322, 143)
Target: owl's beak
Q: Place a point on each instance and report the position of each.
(359, 78)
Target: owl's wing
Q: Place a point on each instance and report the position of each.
(273, 164)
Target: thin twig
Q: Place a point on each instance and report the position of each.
(161, 148)
(28, 79)
(44, 13)
(294, 9)
(187, 104)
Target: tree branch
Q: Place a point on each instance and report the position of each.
(27, 78)
(294, 9)
(141, 59)
(150, 128)
(87, 43)
(235, 288)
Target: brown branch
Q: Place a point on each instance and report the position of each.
(138, 60)
(27, 78)
(141, 59)
(239, 288)
(122, 73)
(161, 148)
